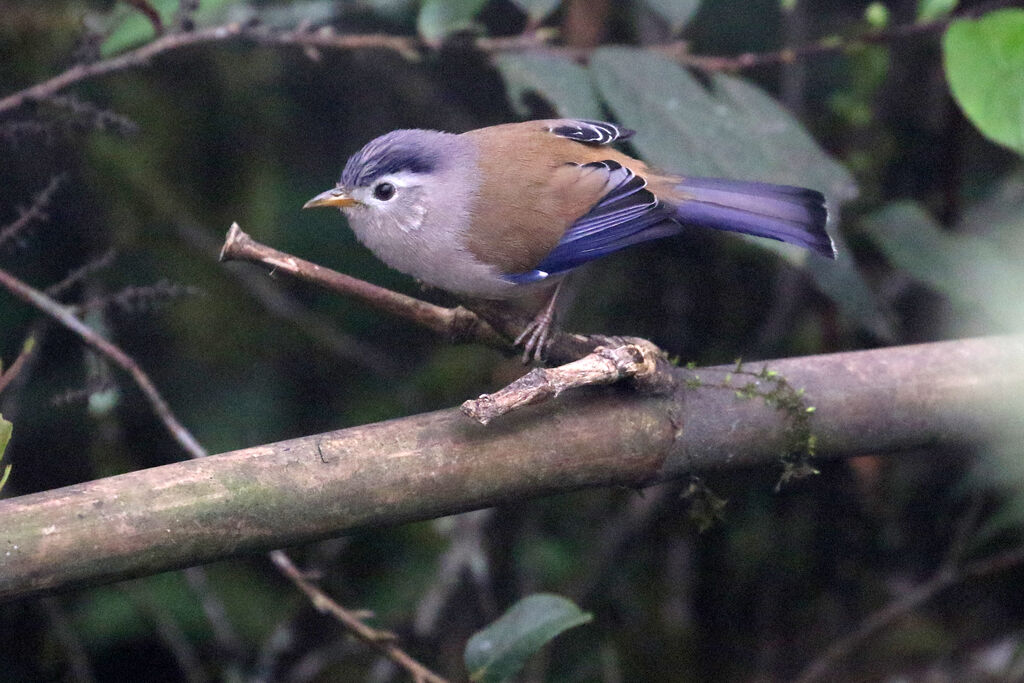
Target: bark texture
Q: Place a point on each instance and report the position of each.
(424, 466)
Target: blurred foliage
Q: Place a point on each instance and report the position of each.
(6, 429)
(675, 12)
(159, 160)
(440, 18)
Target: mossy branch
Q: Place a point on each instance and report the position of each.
(424, 466)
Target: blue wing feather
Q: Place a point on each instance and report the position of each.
(627, 214)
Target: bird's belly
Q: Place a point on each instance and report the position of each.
(446, 267)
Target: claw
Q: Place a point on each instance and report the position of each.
(538, 332)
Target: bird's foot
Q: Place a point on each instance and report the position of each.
(534, 337)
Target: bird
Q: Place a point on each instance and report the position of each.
(505, 212)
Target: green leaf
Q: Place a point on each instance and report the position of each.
(537, 10)
(438, 19)
(499, 651)
(732, 129)
(130, 28)
(984, 61)
(975, 273)
(676, 13)
(6, 428)
(930, 10)
(561, 82)
(877, 15)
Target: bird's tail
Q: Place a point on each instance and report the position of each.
(790, 214)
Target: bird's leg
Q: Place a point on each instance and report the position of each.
(537, 332)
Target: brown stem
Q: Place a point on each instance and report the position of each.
(382, 641)
(64, 316)
(487, 322)
(411, 47)
(112, 352)
(603, 366)
(425, 466)
(456, 324)
(35, 212)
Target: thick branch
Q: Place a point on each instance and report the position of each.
(440, 463)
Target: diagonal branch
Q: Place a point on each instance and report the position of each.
(484, 322)
(824, 666)
(64, 316)
(382, 641)
(35, 212)
(456, 324)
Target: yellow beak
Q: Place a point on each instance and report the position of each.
(335, 197)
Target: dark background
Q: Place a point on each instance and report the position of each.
(235, 132)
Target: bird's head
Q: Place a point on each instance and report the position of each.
(392, 181)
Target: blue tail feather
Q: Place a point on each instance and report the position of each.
(789, 214)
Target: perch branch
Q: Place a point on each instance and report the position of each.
(488, 322)
(457, 324)
(426, 466)
(277, 302)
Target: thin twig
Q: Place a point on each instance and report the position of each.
(35, 212)
(63, 315)
(383, 641)
(603, 366)
(91, 116)
(6, 376)
(464, 558)
(824, 665)
(224, 632)
(410, 47)
(173, 637)
(80, 273)
(79, 667)
(487, 322)
(457, 324)
(825, 46)
(278, 303)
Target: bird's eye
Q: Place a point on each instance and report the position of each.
(384, 191)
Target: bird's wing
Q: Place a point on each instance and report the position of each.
(589, 132)
(626, 214)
